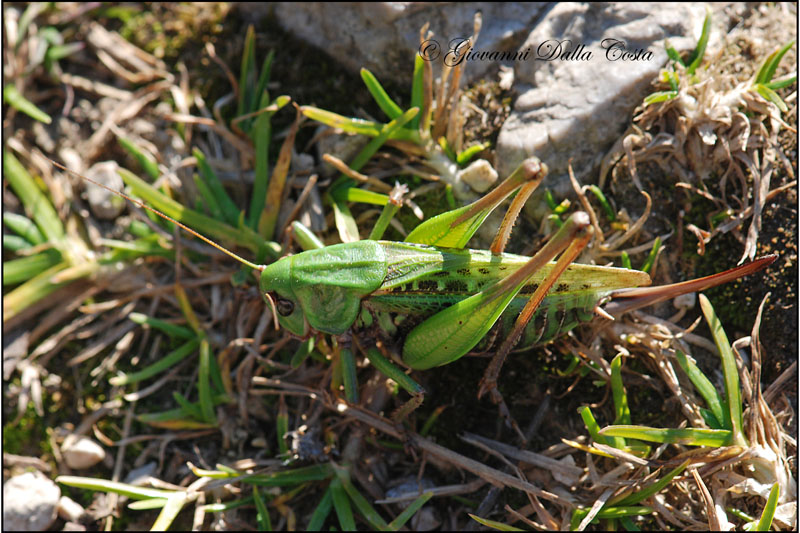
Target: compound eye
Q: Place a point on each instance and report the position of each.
(285, 307)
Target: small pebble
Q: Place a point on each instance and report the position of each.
(479, 175)
(104, 204)
(81, 452)
(69, 509)
(685, 301)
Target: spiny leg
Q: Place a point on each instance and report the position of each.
(454, 228)
(574, 241)
(504, 232)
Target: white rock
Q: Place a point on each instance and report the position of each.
(69, 509)
(479, 175)
(103, 203)
(81, 452)
(29, 502)
(576, 107)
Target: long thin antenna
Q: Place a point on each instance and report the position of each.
(162, 215)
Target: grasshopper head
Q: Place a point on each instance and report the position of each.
(276, 282)
(321, 289)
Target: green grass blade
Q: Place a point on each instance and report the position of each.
(246, 74)
(262, 135)
(345, 223)
(204, 383)
(621, 410)
(356, 125)
(264, 523)
(171, 359)
(651, 258)
(765, 522)
(191, 409)
(767, 69)
(603, 202)
(24, 227)
(660, 96)
(123, 489)
(710, 420)
(15, 243)
(696, 57)
(32, 198)
(348, 362)
(704, 387)
(292, 477)
(625, 260)
(145, 160)
(302, 353)
(388, 212)
(388, 369)
(620, 512)
(341, 505)
(32, 291)
(24, 268)
(688, 437)
(448, 150)
(499, 526)
(367, 511)
(382, 98)
(672, 53)
(282, 427)
(263, 77)
(225, 506)
(733, 393)
(305, 237)
(229, 209)
(60, 51)
(14, 98)
(781, 83)
(209, 199)
(651, 490)
(354, 194)
(771, 96)
(409, 511)
(206, 225)
(321, 512)
(467, 155)
(592, 426)
(146, 505)
(174, 504)
(385, 133)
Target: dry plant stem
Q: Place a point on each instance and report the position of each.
(526, 456)
(342, 167)
(491, 475)
(708, 502)
(613, 244)
(312, 180)
(598, 504)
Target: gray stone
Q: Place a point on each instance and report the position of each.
(384, 36)
(578, 108)
(30, 501)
